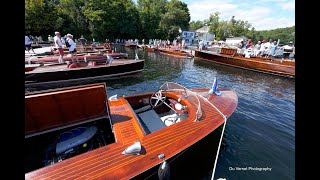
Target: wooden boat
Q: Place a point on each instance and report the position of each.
(228, 56)
(131, 45)
(127, 136)
(80, 57)
(78, 71)
(175, 52)
(149, 48)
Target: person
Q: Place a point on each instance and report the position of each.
(249, 44)
(58, 45)
(27, 43)
(108, 46)
(256, 49)
(83, 42)
(267, 47)
(262, 50)
(272, 49)
(241, 44)
(72, 48)
(201, 45)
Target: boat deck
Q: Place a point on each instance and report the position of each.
(124, 122)
(83, 65)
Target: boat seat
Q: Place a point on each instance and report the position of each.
(142, 109)
(150, 121)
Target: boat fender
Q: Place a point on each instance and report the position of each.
(164, 171)
(73, 65)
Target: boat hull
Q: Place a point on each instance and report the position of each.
(80, 57)
(101, 71)
(254, 64)
(195, 162)
(175, 53)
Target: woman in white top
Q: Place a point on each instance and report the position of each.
(72, 48)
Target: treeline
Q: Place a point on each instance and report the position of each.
(234, 28)
(102, 19)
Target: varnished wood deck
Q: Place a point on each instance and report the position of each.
(84, 65)
(108, 163)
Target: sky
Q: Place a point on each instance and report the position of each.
(261, 14)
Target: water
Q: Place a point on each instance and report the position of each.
(260, 133)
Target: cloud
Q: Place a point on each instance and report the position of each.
(262, 14)
(288, 5)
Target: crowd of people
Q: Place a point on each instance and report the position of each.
(263, 49)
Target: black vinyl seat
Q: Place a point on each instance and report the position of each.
(150, 121)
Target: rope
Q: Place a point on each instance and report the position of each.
(224, 125)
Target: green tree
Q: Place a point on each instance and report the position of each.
(177, 16)
(71, 18)
(150, 12)
(213, 22)
(194, 25)
(40, 17)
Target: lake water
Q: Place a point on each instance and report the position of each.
(259, 134)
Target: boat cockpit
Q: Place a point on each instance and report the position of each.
(167, 106)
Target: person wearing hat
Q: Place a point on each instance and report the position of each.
(72, 47)
(58, 45)
(83, 42)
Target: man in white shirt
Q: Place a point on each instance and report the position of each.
(27, 43)
(58, 45)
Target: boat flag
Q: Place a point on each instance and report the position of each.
(109, 59)
(114, 97)
(214, 88)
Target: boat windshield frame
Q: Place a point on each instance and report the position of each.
(172, 86)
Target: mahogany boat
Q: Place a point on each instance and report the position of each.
(80, 57)
(228, 56)
(131, 45)
(78, 71)
(149, 48)
(175, 52)
(78, 133)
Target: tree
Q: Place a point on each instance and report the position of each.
(40, 17)
(176, 17)
(150, 12)
(194, 25)
(213, 22)
(72, 17)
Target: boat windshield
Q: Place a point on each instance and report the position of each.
(186, 93)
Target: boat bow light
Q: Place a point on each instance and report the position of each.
(135, 149)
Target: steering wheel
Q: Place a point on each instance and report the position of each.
(158, 98)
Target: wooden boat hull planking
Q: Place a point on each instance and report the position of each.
(117, 68)
(286, 69)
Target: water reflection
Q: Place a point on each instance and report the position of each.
(260, 133)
